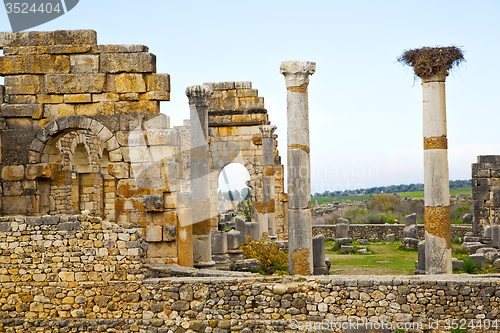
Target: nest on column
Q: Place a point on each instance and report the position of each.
(429, 61)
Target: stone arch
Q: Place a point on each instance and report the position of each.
(49, 135)
(76, 186)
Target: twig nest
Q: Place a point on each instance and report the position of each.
(429, 61)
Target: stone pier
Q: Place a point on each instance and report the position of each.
(300, 255)
(199, 97)
(436, 179)
(265, 209)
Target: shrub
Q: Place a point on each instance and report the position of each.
(271, 260)
(469, 266)
(247, 212)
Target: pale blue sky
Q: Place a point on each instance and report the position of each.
(365, 109)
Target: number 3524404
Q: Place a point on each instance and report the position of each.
(25, 8)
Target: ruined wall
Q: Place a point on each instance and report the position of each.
(78, 273)
(234, 114)
(486, 192)
(81, 129)
(379, 231)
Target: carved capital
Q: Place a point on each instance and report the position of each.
(297, 72)
(199, 95)
(267, 131)
(438, 77)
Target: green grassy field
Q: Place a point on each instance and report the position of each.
(363, 197)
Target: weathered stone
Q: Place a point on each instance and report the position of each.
(84, 64)
(410, 220)
(12, 172)
(21, 110)
(128, 62)
(479, 260)
(154, 233)
(74, 83)
(169, 233)
(247, 265)
(129, 83)
(154, 203)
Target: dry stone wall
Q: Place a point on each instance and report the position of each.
(379, 231)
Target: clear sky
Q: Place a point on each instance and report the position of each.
(365, 108)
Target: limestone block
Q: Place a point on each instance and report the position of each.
(243, 85)
(162, 250)
(77, 98)
(137, 107)
(50, 99)
(247, 265)
(140, 62)
(156, 96)
(121, 48)
(34, 64)
(27, 38)
(170, 199)
(2, 93)
(130, 97)
(341, 231)
(34, 171)
(154, 203)
(479, 260)
(68, 49)
(53, 111)
(84, 64)
(410, 231)
(95, 109)
(119, 170)
(160, 121)
(67, 276)
(125, 83)
(21, 110)
(20, 99)
(410, 219)
(106, 97)
(12, 172)
(169, 233)
(346, 248)
(248, 103)
(234, 239)
(158, 82)
(154, 233)
(74, 83)
(75, 37)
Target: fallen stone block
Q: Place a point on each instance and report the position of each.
(479, 260)
(346, 248)
(390, 237)
(247, 265)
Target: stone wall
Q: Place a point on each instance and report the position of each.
(379, 231)
(486, 192)
(79, 273)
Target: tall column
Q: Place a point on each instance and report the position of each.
(300, 254)
(436, 179)
(265, 209)
(199, 97)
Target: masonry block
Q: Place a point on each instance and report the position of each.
(58, 110)
(154, 203)
(154, 233)
(41, 170)
(27, 38)
(74, 83)
(125, 83)
(84, 64)
(156, 96)
(140, 62)
(77, 98)
(18, 205)
(68, 49)
(20, 99)
(169, 233)
(2, 93)
(50, 99)
(158, 82)
(121, 48)
(15, 145)
(34, 64)
(21, 110)
(137, 107)
(95, 109)
(119, 170)
(75, 37)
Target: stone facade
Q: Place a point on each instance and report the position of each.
(234, 115)
(486, 192)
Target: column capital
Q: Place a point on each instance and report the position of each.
(199, 95)
(438, 77)
(297, 72)
(267, 131)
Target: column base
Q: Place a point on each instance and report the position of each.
(207, 264)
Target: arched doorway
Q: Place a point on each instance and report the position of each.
(232, 187)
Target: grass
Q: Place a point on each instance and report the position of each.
(420, 194)
(387, 258)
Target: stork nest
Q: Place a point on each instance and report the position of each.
(428, 61)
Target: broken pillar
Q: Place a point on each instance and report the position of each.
(495, 236)
(319, 256)
(420, 264)
(253, 230)
(300, 257)
(265, 209)
(200, 174)
(241, 226)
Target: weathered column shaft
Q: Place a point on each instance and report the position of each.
(300, 254)
(265, 209)
(436, 178)
(200, 174)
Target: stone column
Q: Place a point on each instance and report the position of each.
(300, 255)
(265, 209)
(436, 179)
(199, 97)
